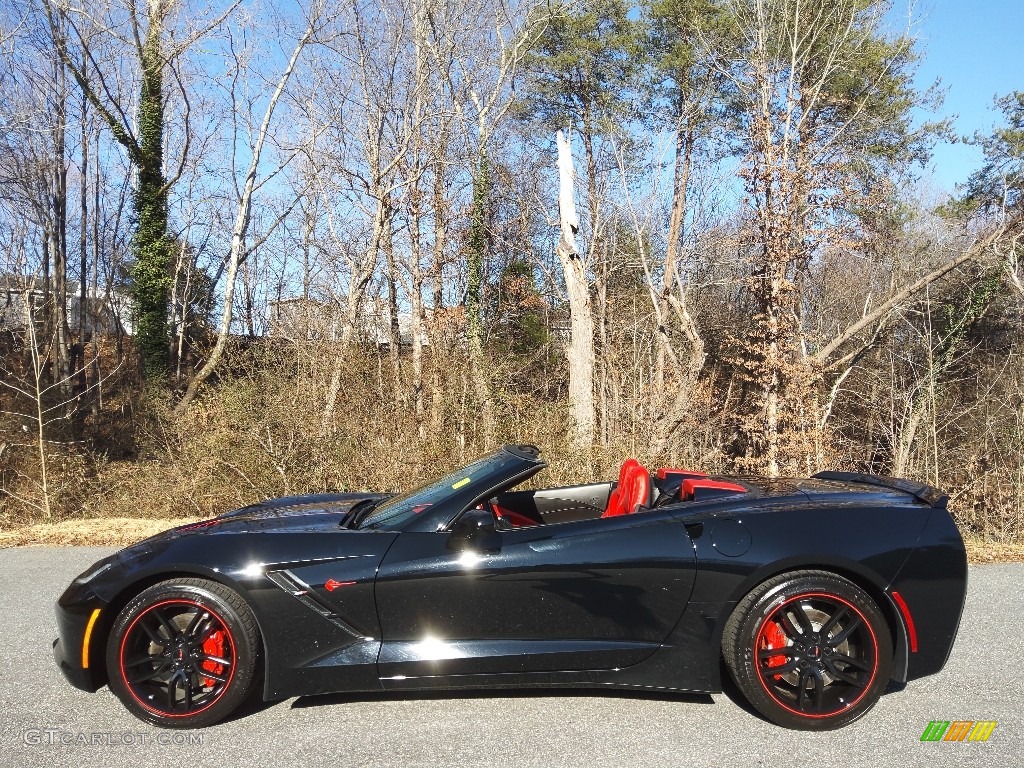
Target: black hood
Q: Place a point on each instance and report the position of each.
(315, 512)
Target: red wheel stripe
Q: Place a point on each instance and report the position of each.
(874, 642)
(227, 631)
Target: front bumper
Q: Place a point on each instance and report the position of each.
(83, 665)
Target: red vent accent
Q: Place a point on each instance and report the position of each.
(911, 629)
(332, 585)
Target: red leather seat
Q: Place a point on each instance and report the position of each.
(613, 499)
(632, 491)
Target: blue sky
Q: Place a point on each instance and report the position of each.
(976, 48)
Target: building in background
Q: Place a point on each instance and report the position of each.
(303, 319)
(103, 312)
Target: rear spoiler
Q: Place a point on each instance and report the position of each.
(931, 496)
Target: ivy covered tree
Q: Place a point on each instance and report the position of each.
(143, 141)
(153, 250)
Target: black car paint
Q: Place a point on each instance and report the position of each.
(637, 600)
(576, 596)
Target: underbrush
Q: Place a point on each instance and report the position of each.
(266, 429)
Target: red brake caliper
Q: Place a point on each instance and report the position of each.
(213, 646)
(774, 637)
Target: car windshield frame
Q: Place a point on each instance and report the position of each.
(432, 505)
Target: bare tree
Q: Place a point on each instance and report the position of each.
(671, 304)
(577, 286)
(250, 182)
(479, 49)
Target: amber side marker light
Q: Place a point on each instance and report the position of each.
(88, 634)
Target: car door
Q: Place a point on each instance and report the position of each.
(583, 595)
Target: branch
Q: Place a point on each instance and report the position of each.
(242, 224)
(199, 34)
(972, 253)
(187, 134)
(117, 127)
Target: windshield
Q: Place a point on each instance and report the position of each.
(394, 512)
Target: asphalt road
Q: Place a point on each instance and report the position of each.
(984, 680)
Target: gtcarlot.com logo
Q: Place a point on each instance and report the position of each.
(49, 737)
(958, 730)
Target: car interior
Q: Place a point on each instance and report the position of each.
(636, 489)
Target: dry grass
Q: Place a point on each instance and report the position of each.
(263, 431)
(109, 532)
(980, 550)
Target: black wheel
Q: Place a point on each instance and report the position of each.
(183, 653)
(809, 650)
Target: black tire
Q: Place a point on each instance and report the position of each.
(809, 650)
(183, 653)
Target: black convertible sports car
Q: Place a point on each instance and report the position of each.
(815, 592)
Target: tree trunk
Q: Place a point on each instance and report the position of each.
(394, 336)
(603, 427)
(676, 223)
(416, 298)
(437, 341)
(474, 300)
(151, 277)
(59, 206)
(580, 353)
(83, 246)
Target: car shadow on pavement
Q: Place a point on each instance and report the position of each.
(731, 692)
(503, 693)
(254, 704)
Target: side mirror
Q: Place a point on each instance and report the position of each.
(475, 529)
